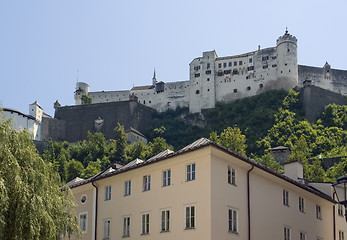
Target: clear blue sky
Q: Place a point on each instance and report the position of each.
(117, 44)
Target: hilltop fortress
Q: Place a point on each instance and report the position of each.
(224, 79)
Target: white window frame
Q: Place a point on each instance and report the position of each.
(126, 226)
(190, 172)
(165, 215)
(190, 217)
(318, 212)
(286, 233)
(233, 223)
(145, 221)
(107, 229)
(231, 175)
(83, 227)
(146, 183)
(341, 235)
(301, 205)
(285, 198)
(166, 178)
(127, 188)
(108, 193)
(302, 236)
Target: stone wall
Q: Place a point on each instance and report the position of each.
(316, 98)
(103, 117)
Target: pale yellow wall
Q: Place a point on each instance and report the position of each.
(268, 214)
(78, 192)
(213, 196)
(174, 197)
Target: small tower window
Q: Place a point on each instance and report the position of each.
(261, 85)
(197, 92)
(288, 50)
(235, 90)
(248, 88)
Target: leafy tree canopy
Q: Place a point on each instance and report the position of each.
(32, 205)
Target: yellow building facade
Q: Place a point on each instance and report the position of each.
(205, 191)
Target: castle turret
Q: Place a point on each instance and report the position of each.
(81, 89)
(36, 111)
(287, 61)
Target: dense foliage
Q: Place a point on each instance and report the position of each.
(89, 157)
(32, 205)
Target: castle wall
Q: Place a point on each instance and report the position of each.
(21, 121)
(316, 98)
(103, 117)
(330, 79)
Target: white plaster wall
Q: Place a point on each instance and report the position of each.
(21, 122)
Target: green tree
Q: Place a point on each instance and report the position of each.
(314, 172)
(86, 99)
(231, 138)
(92, 169)
(300, 151)
(74, 169)
(32, 203)
(120, 144)
(268, 161)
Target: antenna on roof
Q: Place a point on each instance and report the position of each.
(77, 74)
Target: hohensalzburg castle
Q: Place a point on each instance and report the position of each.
(224, 79)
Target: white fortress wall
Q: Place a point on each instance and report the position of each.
(109, 96)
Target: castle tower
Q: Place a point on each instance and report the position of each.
(81, 89)
(154, 79)
(287, 61)
(36, 111)
(202, 82)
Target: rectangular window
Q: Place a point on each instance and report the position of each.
(224, 64)
(197, 75)
(265, 58)
(83, 221)
(107, 228)
(286, 233)
(301, 205)
(285, 198)
(147, 183)
(190, 217)
(240, 63)
(145, 223)
(232, 217)
(250, 60)
(208, 72)
(231, 176)
(165, 220)
(167, 178)
(341, 235)
(235, 63)
(219, 65)
(302, 236)
(208, 65)
(230, 64)
(191, 172)
(274, 65)
(265, 66)
(318, 212)
(126, 226)
(127, 188)
(227, 71)
(340, 210)
(250, 68)
(108, 193)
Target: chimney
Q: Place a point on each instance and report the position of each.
(294, 170)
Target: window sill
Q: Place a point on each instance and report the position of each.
(125, 236)
(144, 234)
(233, 232)
(165, 231)
(189, 228)
(233, 184)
